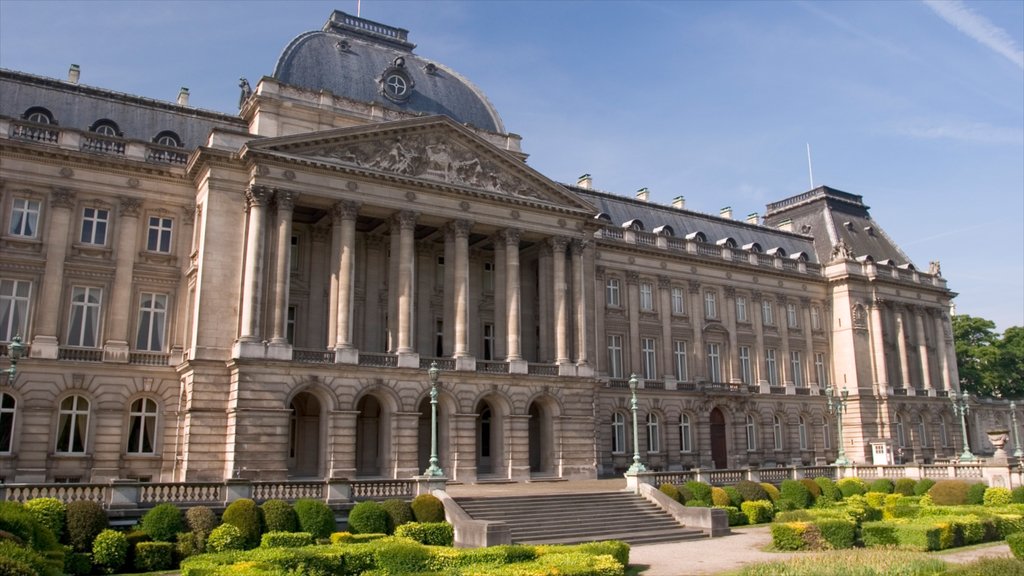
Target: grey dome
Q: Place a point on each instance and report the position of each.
(350, 56)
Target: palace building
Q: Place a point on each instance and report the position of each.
(207, 296)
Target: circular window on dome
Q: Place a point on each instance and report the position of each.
(395, 83)
(396, 86)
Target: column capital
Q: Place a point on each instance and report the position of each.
(600, 272)
(782, 299)
(510, 236)
(558, 243)
(632, 277)
(805, 300)
(257, 196)
(461, 228)
(756, 296)
(188, 213)
(694, 287)
(62, 198)
(879, 303)
(664, 282)
(345, 210)
(579, 245)
(129, 206)
(285, 199)
(406, 219)
(730, 292)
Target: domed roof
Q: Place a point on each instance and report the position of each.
(371, 62)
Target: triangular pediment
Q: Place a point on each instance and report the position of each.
(433, 149)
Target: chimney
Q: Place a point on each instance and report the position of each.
(679, 202)
(786, 225)
(752, 218)
(183, 97)
(73, 73)
(726, 212)
(584, 181)
(643, 194)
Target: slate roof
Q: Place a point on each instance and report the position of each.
(348, 57)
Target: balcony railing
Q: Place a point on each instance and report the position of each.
(166, 155)
(34, 133)
(491, 367)
(149, 358)
(543, 369)
(378, 360)
(80, 354)
(312, 356)
(102, 144)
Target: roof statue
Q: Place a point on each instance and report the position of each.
(842, 251)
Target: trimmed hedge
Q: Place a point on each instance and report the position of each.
(758, 511)
(883, 485)
(735, 498)
(429, 533)
(829, 491)
(226, 537)
(736, 516)
(152, 556)
(350, 538)
(996, 497)
(792, 536)
(671, 491)
(772, 492)
(400, 556)
(720, 497)
(428, 508)
(110, 550)
(751, 491)
(904, 486)
(50, 512)
(286, 539)
(1017, 495)
(18, 560)
(851, 487)
(399, 512)
(367, 517)
(838, 533)
(1016, 543)
(795, 493)
(924, 485)
(163, 522)
(976, 493)
(278, 516)
(85, 520)
(244, 515)
(949, 493)
(315, 517)
(700, 491)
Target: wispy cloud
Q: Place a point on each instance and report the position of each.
(978, 27)
(975, 132)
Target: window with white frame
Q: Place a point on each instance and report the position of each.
(767, 313)
(802, 433)
(84, 324)
(922, 432)
(94, 226)
(815, 318)
(771, 367)
(289, 325)
(152, 322)
(821, 369)
(618, 433)
(685, 434)
(792, 317)
(7, 409)
(745, 375)
(612, 293)
(826, 433)
(741, 309)
(653, 433)
(648, 354)
(159, 236)
(777, 431)
(796, 368)
(901, 439)
(72, 425)
(488, 341)
(678, 301)
(615, 355)
(751, 433)
(142, 427)
(679, 351)
(25, 218)
(646, 296)
(14, 300)
(488, 276)
(710, 304)
(714, 362)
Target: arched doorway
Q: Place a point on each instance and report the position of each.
(540, 441)
(719, 447)
(304, 436)
(488, 439)
(369, 437)
(423, 435)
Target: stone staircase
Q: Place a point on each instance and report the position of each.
(574, 518)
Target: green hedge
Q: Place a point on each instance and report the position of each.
(152, 556)
(791, 536)
(286, 540)
(1016, 543)
(244, 515)
(796, 493)
(315, 517)
(851, 487)
(427, 508)
(758, 511)
(50, 512)
(85, 520)
(671, 491)
(278, 516)
(996, 497)
(367, 517)
(700, 490)
(751, 491)
(110, 550)
(736, 516)
(19, 560)
(429, 533)
(929, 533)
(163, 522)
(226, 537)
(821, 534)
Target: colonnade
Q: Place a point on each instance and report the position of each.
(906, 338)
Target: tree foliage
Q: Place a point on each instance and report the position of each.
(990, 364)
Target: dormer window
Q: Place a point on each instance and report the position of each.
(664, 230)
(697, 237)
(39, 115)
(753, 247)
(777, 252)
(106, 128)
(635, 225)
(727, 243)
(167, 138)
(603, 216)
(870, 230)
(395, 83)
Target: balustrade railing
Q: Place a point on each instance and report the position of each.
(775, 475)
(166, 155)
(491, 367)
(96, 143)
(34, 133)
(63, 492)
(378, 359)
(378, 489)
(442, 363)
(148, 358)
(262, 491)
(726, 477)
(80, 354)
(311, 356)
(709, 250)
(181, 493)
(542, 369)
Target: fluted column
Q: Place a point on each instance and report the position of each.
(116, 347)
(500, 349)
(785, 369)
(901, 345)
(757, 355)
(581, 331)
(699, 367)
(285, 201)
(812, 375)
(406, 253)
(878, 347)
(344, 214)
(633, 311)
(558, 245)
(252, 279)
(461, 229)
(922, 349)
(940, 349)
(665, 310)
(44, 343)
(448, 307)
(512, 293)
(729, 312)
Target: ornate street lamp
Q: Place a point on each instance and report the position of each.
(836, 407)
(15, 350)
(637, 465)
(433, 470)
(961, 409)
(1017, 452)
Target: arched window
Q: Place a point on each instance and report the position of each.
(168, 138)
(105, 127)
(685, 438)
(777, 431)
(802, 429)
(7, 406)
(73, 425)
(39, 115)
(618, 433)
(653, 433)
(751, 434)
(142, 427)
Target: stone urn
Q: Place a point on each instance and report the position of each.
(998, 439)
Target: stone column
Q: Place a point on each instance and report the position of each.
(318, 281)
(581, 329)
(406, 254)
(901, 344)
(785, 369)
(757, 368)
(345, 214)
(940, 349)
(249, 342)
(667, 351)
(513, 295)
(182, 338)
(558, 246)
(500, 298)
(373, 335)
(285, 201)
(698, 367)
(116, 348)
(633, 311)
(394, 285)
(448, 311)
(44, 343)
(878, 347)
(729, 312)
(461, 228)
(545, 311)
(600, 337)
(922, 349)
(332, 290)
(812, 374)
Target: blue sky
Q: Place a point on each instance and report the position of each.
(917, 106)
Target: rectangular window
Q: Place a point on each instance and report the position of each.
(14, 299)
(803, 433)
(777, 432)
(745, 374)
(488, 276)
(439, 274)
(618, 433)
(159, 239)
(293, 262)
(152, 321)
(24, 217)
(796, 368)
(678, 301)
(714, 363)
(826, 433)
(612, 293)
(94, 226)
(815, 318)
(650, 367)
(680, 356)
(614, 356)
(741, 309)
(767, 313)
(792, 318)
(710, 305)
(685, 441)
(771, 367)
(820, 369)
(751, 434)
(438, 338)
(289, 329)
(84, 324)
(646, 296)
(488, 341)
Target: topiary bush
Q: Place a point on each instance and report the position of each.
(735, 498)
(315, 517)
(226, 537)
(700, 491)
(109, 550)
(429, 533)
(949, 493)
(812, 487)
(85, 520)
(796, 493)
(997, 497)
(976, 493)
(427, 508)
(134, 537)
(771, 491)
(286, 540)
(923, 486)
(163, 522)
(790, 535)
(152, 556)
(882, 485)
(758, 511)
(904, 486)
(50, 513)
(244, 515)
(719, 497)
(751, 491)
(671, 491)
(399, 512)
(829, 491)
(851, 487)
(278, 516)
(736, 516)
(367, 517)
(838, 533)
(1016, 543)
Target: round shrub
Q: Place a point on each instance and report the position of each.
(1016, 543)
(163, 522)
(736, 516)
(85, 520)
(278, 516)
(367, 517)
(244, 515)
(109, 550)
(20, 527)
(685, 495)
(735, 499)
(976, 493)
(751, 491)
(812, 487)
(226, 537)
(429, 533)
(700, 490)
(997, 496)
(427, 508)
(670, 491)
(315, 517)
(883, 485)
(924, 485)
(758, 511)
(795, 493)
(904, 486)
(401, 556)
(851, 487)
(399, 512)
(719, 497)
(152, 556)
(949, 493)
(50, 512)
(772, 492)
(829, 491)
